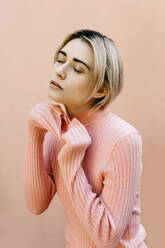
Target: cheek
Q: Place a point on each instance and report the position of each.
(83, 89)
(80, 86)
(83, 83)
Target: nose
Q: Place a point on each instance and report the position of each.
(60, 72)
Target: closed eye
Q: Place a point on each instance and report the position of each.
(77, 70)
(60, 61)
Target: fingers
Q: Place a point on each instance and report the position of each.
(50, 117)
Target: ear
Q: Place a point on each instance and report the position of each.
(100, 93)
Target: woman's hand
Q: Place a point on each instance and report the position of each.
(49, 117)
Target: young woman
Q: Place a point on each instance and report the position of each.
(79, 149)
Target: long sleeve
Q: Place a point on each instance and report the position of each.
(103, 216)
(39, 186)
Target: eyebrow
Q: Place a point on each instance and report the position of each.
(75, 59)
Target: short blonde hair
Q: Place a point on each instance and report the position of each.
(108, 64)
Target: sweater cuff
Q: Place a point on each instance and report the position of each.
(76, 135)
(32, 129)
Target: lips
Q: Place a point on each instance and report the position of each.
(55, 83)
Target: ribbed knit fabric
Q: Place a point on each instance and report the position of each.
(95, 167)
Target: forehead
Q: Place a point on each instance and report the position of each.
(79, 49)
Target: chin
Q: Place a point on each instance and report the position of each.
(52, 96)
(55, 99)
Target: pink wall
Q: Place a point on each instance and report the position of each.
(30, 31)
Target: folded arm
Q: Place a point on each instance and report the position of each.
(104, 216)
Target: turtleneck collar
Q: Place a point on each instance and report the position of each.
(90, 116)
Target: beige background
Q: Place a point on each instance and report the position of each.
(30, 31)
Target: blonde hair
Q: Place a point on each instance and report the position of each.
(108, 64)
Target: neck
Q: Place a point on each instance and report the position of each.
(77, 112)
(87, 116)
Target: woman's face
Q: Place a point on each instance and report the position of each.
(73, 76)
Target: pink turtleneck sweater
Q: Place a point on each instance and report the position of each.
(95, 167)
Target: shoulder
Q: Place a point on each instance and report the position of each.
(118, 125)
(114, 128)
